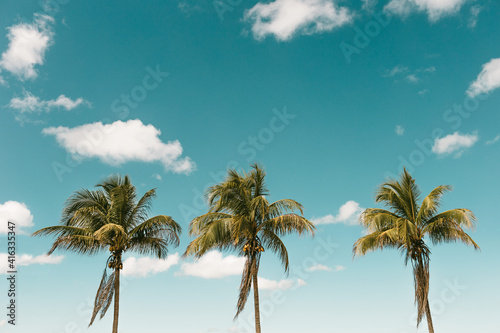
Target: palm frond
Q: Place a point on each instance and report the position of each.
(251, 266)
(284, 206)
(421, 284)
(142, 208)
(447, 227)
(104, 295)
(160, 226)
(272, 242)
(374, 219)
(157, 247)
(289, 223)
(110, 234)
(431, 203)
(377, 240)
(216, 235)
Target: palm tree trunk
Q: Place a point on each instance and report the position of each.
(429, 318)
(256, 301)
(117, 299)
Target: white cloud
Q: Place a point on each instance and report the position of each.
(214, 266)
(399, 130)
(339, 268)
(368, 5)
(157, 176)
(142, 267)
(494, 140)
(265, 284)
(16, 212)
(283, 19)
(32, 104)
(487, 80)
(122, 142)
(435, 9)
(27, 46)
(28, 259)
(412, 78)
(454, 143)
(348, 214)
(397, 70)
(319, 267)
(474, 14)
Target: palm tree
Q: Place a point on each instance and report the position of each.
(405, 225)
(241, 219)
(112, 216)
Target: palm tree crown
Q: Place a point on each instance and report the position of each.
(240, 218)
(407, 223)
(111, 216)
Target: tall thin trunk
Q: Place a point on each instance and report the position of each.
(256, 301)
(117, 299)
(429, 318)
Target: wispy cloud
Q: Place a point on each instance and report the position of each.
(339, 268)
(399, 130)
(145, 266)
(284, 19)
(474, 14)
(412, 78)
(494, 140)
(32, 104)
(435, 9)
(27, 46)
(396, 70)
(319, 267)
(347, 214)
(16, 212)
(28, 259)
(455, 143)
(122, 142)
(368, 5)
(401, 72)
(488, 80)
(213, 265)
(265, 284)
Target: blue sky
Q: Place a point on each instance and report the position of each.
(331, 96)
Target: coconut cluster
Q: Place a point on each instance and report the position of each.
(248, 247)
(115, 262)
